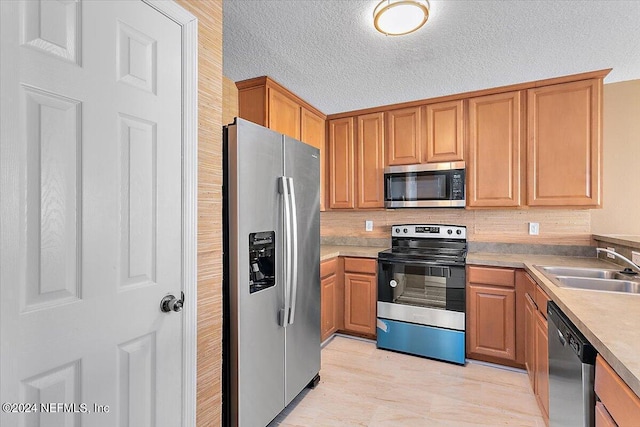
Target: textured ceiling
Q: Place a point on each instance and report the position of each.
(328, 53)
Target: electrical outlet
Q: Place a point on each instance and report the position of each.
(534, 228)
(368, 226)
(635, 257)
(611, 256)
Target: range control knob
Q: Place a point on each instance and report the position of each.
(397, 230)
(405, 230)
(458, 232)
(449, 231)
(393, 283)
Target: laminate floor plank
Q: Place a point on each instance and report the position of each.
(361, 385)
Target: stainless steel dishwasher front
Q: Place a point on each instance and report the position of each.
(571, 373)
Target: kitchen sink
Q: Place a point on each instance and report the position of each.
(592, 279)
(595, 273)
(593, 284)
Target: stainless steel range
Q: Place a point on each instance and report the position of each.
(421, 292)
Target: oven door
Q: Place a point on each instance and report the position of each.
(422, 292)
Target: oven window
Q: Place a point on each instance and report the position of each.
(422, 285)
(414, 186)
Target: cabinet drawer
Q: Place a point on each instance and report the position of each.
(621, 402)
(328, 267)
(361, 265)
(492, 276)
(541, 300)
(603, 419)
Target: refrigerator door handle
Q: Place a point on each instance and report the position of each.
(294, 259)
(284, 189)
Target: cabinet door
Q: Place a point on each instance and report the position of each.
(328, 307)
(542, 364)
(284, 114)
(445, 132)
(530, 339)
(341, 161)
(603, 418)
(312, 132)
(370, 154)
(360, 303)
(404, 138)
(494, 175)
(564, 166)
(492, 321)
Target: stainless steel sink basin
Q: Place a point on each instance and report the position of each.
(609, 285)
(592, 279)
(596, 273)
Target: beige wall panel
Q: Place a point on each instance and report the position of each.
(229, 100)
(209, 396)
(621, 146)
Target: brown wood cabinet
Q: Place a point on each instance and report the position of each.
(267, 103)
(491, 317)
(564, 129)
(341, 164)
(603, 418)
(542, 364)
(404, 140)
(495, 154)
(312, 131)
(444, 123)
(536, 347)
(356, 184)
(370, 154)
(331, 299)
(618, 400)
(360, 292)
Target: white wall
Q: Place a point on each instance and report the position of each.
(621, 150)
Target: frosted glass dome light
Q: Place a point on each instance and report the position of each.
(398, 17)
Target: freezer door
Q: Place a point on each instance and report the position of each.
(257, 338)
(302, 165)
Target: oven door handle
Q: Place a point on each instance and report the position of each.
(418, 262)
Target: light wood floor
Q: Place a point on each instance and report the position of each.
(363, 386)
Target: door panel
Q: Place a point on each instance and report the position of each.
(91, 211)
(302, 163)
(492, 321)
(360, 303)
(257, 337)
(404, 138)
(445, 132)
(341, 164)
(370, 160)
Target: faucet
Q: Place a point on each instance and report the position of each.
(624, 258)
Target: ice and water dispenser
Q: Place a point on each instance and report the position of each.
(262, 260)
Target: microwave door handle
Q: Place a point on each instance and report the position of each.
(294, 258)
(284, 189)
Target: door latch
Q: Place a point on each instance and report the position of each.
(171, 303)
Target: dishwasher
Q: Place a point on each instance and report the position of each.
(571, 373)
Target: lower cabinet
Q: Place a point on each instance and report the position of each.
(348, 292)
(360, 292)
(617, 404)
(331, 299)
(507, 324)
(491, 314)
(541, 388)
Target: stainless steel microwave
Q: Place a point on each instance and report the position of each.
(432, 185)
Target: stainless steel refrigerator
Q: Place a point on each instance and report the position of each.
(272, 278)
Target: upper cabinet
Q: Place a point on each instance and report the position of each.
(444, 125)
(404, 136)
(341, 162)
(496, 131)
(283, 113)
(564, 167)
(356, 184)
(370, 154)
(267, 103)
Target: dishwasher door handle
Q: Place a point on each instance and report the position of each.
(561, 338)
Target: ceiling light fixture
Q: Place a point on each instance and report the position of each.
(399, 17)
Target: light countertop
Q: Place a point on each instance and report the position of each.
(610, 321)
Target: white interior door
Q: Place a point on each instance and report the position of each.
(91, 204)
